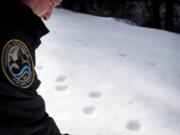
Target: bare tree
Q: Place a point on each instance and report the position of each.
(156, 13)
(169, 15)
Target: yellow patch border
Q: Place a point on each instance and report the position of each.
(30, 57)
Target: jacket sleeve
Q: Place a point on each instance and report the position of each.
(17, 56)
(19, 100)
(17, 64)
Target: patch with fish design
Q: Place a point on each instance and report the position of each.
(17, 63)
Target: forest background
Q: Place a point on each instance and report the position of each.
(161, 14)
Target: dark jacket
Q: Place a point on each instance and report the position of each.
(20, 33)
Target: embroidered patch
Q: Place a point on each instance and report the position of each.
(17, 63)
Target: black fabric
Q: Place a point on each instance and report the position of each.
(22, 111)
(45, 126)
(15, 11)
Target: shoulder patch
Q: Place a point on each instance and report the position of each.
(17, 63)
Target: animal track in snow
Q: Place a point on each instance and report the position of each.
(61, 78)
(134, 125)
(95, 94)
(61, 87)
(89, 110)
(86, 44)
(123, 55)
(79, 40)
(152, 64)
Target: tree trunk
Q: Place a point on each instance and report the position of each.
(156, 13)
(169, 15)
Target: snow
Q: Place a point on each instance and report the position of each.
(105, 77)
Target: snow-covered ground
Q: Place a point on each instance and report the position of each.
(104, 77)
